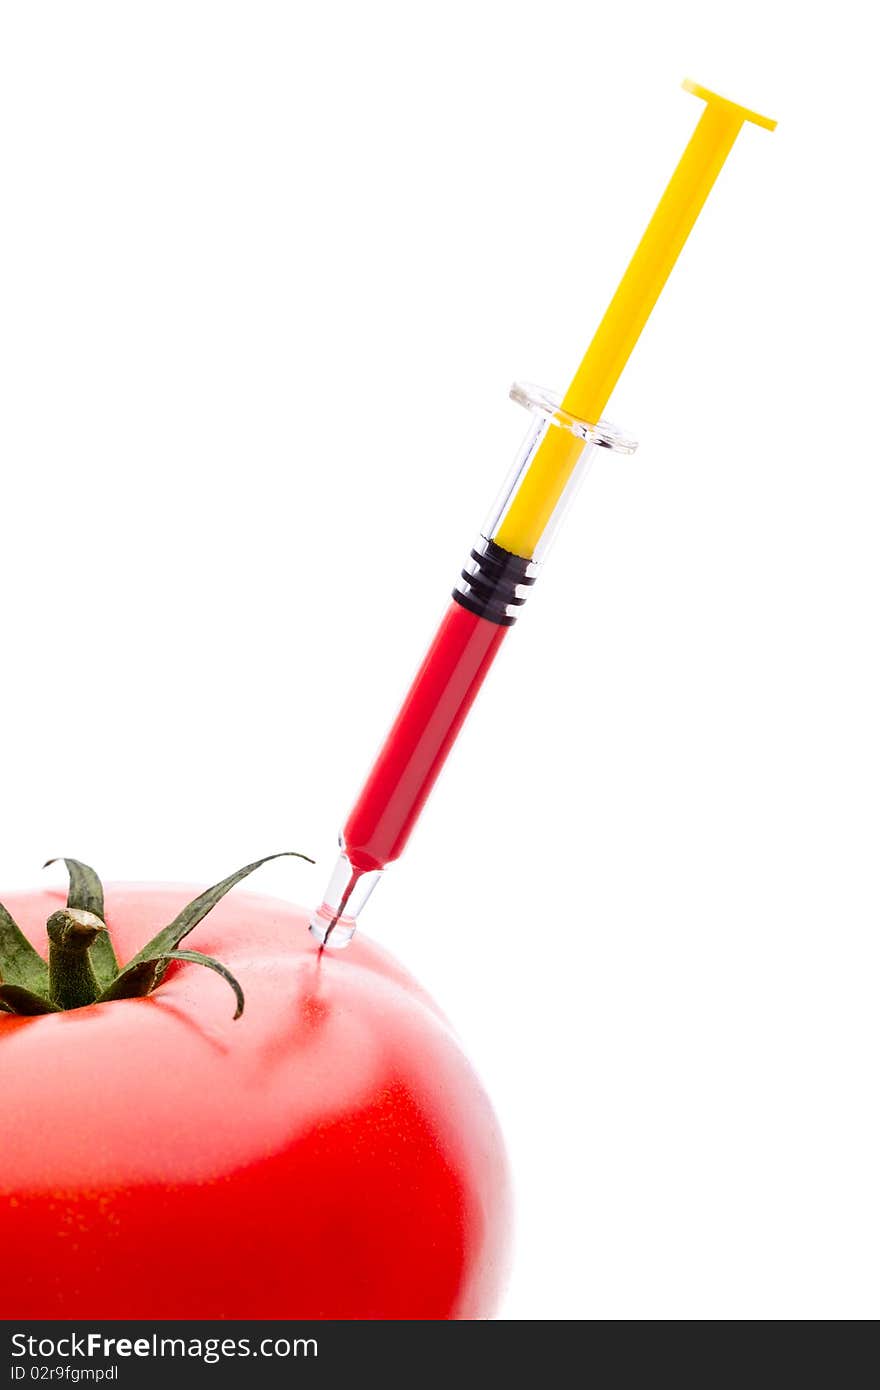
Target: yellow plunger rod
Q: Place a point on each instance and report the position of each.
(626, 315)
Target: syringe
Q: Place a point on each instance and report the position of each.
(513, 543)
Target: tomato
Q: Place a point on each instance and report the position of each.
(329, 1154)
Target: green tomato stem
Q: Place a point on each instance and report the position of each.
(72, 980)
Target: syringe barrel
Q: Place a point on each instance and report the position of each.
(491, 589)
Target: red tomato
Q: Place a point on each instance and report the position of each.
(330, 1154)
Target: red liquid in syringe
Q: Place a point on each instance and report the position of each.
(425, 729)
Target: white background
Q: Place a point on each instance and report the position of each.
(267, 272)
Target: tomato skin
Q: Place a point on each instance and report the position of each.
(331, 1154)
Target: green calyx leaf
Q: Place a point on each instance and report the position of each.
(134, 982)
(16, 1000)
(170, 937)
(139, 980)
(20, 963)
(83, 968)
(197, 958)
